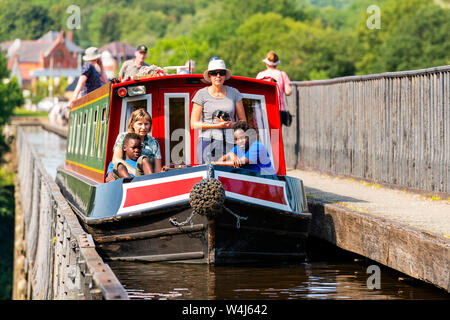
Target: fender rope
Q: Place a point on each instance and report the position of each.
(207, 197)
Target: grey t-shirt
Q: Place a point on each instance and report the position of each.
(211, 104)
(129, 69)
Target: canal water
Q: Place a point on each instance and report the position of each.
(327, 273)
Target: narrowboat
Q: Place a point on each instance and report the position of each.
(191, 213)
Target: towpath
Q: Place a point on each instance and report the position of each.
(405, 231)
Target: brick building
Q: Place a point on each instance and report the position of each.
(52, 55)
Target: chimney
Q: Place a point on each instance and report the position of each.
(69, 35)
(60, 37)
(42, 60)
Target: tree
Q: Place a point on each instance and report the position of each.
(412, 35)
(23, 21)
(10, 97)
(171, 52)
(419, 42)
(306, 50)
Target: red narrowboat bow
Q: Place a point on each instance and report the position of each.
(196, 213)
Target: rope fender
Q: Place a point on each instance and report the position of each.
(207, 197)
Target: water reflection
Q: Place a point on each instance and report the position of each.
(311, 280)
(49, 146)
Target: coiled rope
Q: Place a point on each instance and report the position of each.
(207, 198)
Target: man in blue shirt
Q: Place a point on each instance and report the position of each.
(247, 153)
(132, 149)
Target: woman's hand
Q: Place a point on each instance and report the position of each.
(222, 124)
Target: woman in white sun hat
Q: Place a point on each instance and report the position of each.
(92, 76)
(215, 109)
(283, 82)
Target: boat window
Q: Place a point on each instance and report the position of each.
(94, 138)
(177, 133)
(78, 133)
(74, 133)
(131, 104)
(104, 114)
(88, 135)
(83, 134)
(253, 113)
(256, 114)
(102, 133)
(72, 120)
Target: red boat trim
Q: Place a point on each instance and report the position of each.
(158, 193)
(265, 192)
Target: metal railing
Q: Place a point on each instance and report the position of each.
(60, 260)
(391, 128)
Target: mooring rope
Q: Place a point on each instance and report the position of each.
(207, 198)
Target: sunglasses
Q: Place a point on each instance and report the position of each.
(217, 72)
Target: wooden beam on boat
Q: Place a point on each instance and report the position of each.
(211, 241)
(277, 232)
(150, 234)
(163, 257)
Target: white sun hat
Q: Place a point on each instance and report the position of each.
(91, 53)
(216, 64)
(270, 63)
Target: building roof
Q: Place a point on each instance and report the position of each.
(53, 35)
(31, 50)
(4, 46)
(119, 49)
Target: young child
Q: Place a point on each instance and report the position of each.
(132, 149)
(252, 156)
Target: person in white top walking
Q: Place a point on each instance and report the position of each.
(283, 83)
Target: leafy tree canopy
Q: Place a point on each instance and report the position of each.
(315, 39)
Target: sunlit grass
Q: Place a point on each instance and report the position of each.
(20, 112)
(6, 177)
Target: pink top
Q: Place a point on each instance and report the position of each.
(282, 80)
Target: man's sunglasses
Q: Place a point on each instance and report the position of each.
(216, 72)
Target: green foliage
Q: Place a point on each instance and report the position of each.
(315, 39)
(19, 19)
(419, 42)
(171, 52)
(413, 35)
(6, 232)
(20, 112)
(10, 97)
(6, 240)
(334, 3)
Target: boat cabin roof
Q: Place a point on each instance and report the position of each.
(97, 118)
